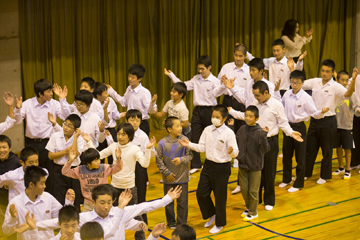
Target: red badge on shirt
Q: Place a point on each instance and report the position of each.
(47, 211)
(326, 91)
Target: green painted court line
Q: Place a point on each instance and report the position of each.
(316, 225)
(273, 219)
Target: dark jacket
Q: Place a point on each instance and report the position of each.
(11, 163)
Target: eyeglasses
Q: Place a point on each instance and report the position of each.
(201, 69)
(295, 83)
(80, 104)
(68, 126)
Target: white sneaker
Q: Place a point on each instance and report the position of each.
(355, 167)
(250, 217)
(269, 207)
(280, 155)
(194, 170)
(147, 183)
(236, 163)
(282, 185)
(215, 229)
(161, 181)
(210, 222)
(292, 189)
(245, 213)
(236, 190)
(338, 171)
(321, 181)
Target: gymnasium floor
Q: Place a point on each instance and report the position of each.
(329, 211)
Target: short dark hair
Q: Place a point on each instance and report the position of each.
(89, 155)
(68, 213)
(90, 81)
(99, 190)
(91, 230)
(40, 86)
(261, 86)
(133, 113)
(342, 72)
(180, 87)
(254, 110)
(4, 138)
(137, 69)
(278, 42)
(205, 59)
(328, 63)
(240, 48)
(27, 152)
(169, 122)
(258, 63)
(222, 109)
(84, 96)
(184, 232)
(33, 174)
(297, 74)
(128, 129)
(75, 120)
(99, 88)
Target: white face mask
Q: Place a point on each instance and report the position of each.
(216, 122)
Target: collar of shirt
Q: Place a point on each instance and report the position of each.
(137, 89)
(242, 69)
(209, 78)
(37, 104)
(72, 136)
(86, 115)
(26, 200)
(329, 83)
(137, 132)
(298, 95)
(95, 216)
(268, 102)
(219, 129)
(282, 61)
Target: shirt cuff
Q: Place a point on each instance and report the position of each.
(67, 202)
(9, 120)
(167, 199)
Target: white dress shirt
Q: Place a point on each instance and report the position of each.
(9, 123)
(141, 140)
(328, 95)
(215, 142)
(204, 89)
(138, 98)
(271, 115)
(299, 107)
(58, 143)
(113, 114)
(37, 122)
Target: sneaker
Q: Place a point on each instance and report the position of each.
(292, 189)
(245, 213)
(321, 181)
(282, 185)
(354, 167)
(347, 175)
(215, 229)
(269, 207)
(194, 170)
(210, 222)
(161, 181)
(236, 163)
(236, 190)
(250, 217)
(338, 171)
(172, 226)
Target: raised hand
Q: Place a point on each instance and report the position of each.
(9, 100)
(297, 136)
(266, 129)
(277, 85)
(13, 211)
(302, 56)
(175, 193)
(324, 110)
(229, 83)
(30, 220)
(309, 32)
(154, 98)
(118, 153)
(101, 125)
(167, 72)
(170, 177)
(61, 93)
(107, 133)
(176, 161)
(51, 118)
(335, 75)
(184, 142)
(229, 109)
(230, 150)
(77, 133)
(108, 86)
(124, 198)
(355, 73)
(72, 155)
(151, 142)
(123, 114)
(231, 121)
(291, 64)
(70, 195)
(18, 102)
(159, 229)
(144, 227)
(265, 76)
(86, 137)
(107, 101)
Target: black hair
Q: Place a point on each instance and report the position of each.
(27, 152)
(90, 81)
(99, 190)
(184, 232)
(181, 88)
(68, 213)
(169, 122)
(261, 86)
(33, 174)
(289, 29)
(138, 70)
(222, 109)
(115, 192)
(91, 230)
(297, 74)
(99, 88)
(75, 120)
(40, 86)
(342, 72)
(328, 63)
(4, 138)
(84, 96)
(240, 48)
(133, 113)
(128, 129)
(258, 63)
(89, 155)
(205, 59)
(254, 110)
(278, 42)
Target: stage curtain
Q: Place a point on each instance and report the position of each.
(66, 40)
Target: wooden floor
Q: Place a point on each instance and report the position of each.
(329, 211)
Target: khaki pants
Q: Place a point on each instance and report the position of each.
(249, 184)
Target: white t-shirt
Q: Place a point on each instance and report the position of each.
(179, 110)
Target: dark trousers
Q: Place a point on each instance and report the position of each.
(289, 146)
(355, 152)
(268, 172)
(144, 125)
(182, 205)
(214, 178)
(321, 133)
(139, 235)
(141, 177)
(201, 118)
(104, 144)
(230, 101)
(44, 160)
